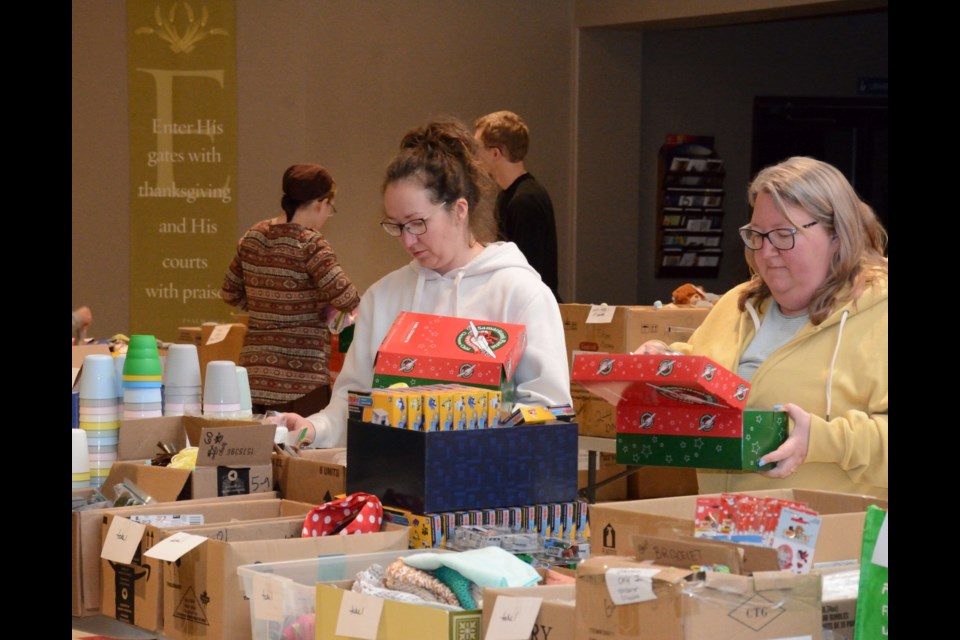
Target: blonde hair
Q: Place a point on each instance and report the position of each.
(821, 190)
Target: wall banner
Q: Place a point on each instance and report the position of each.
(183, 161)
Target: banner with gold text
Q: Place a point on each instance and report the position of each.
(183, 161)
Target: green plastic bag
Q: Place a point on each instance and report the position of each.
(871, 621)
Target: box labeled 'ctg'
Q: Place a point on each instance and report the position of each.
(681, 411)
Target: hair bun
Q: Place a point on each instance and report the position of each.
(305, 182)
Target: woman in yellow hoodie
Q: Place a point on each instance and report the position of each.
(808, 330)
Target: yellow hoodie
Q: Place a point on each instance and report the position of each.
(837, 371)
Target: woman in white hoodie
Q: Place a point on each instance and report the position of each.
(437, 200)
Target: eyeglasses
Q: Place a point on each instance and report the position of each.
(783, 239)
(417, 227)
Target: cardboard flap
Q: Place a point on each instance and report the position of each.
(225, 443)
(138, 438)
(727, 582)
(767, 580)
(163, 484)
(83, 350)
(686, 552)
(193, 425)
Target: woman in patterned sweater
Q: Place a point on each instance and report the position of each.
(287, 277)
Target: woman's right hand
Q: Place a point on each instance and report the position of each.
(305, 432)
(653, 348)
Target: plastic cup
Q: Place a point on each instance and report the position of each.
(98, 378)
(182, 367)
(243, 382)
(79, 454)
(118, 362)
(143, 342)
(220, 385)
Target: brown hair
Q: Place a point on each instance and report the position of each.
(442, 157)
(303, 183)
(821, 190)
(507, 131)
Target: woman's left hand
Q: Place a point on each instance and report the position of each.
(793, 451)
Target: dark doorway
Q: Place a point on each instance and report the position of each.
(849, 133)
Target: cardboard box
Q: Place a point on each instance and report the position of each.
(312, 476)
(399, 620)
(429, 472)
(421, 349)
(681, 411)
(840, 587)
(202, 594)
(647, 601)
(616, 526)
(656, 618)
(234, 457)
(132, 592)
(556, 619)
(86, 544)
(620, 329)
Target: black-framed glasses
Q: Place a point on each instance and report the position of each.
(417, 227)
(783, 239)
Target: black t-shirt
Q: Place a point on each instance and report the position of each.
(525, 217)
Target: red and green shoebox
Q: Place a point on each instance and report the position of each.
(681, 411)
(422, 349)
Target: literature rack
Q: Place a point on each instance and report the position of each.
(689, 208)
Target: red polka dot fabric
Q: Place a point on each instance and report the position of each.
(356, 513)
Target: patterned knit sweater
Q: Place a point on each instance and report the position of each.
(284, 275)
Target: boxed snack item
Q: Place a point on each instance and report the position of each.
(421, 349)
(428, 472)
(618, 329)
(681, 411)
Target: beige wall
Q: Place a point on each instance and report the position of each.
(323, 81)
(340, 82)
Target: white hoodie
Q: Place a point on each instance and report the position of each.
(499, 285)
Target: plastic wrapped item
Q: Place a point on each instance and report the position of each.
(129, 494)
(478, 536)
(95, 500)
(185, 459)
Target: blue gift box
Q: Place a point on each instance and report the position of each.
(429, 472)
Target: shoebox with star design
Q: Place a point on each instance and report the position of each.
(423, 349)
(681, 411)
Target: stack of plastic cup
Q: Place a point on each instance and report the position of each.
(221, 393)
(80, 456)
(181, 381)
(142, 379)
(246, 402)
(99, 414)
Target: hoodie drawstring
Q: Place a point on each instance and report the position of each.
(456, 291)
(754, 316)
(833, 360)
(418, 290)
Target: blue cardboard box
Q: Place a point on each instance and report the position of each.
(429, 472)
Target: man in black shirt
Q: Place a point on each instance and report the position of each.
(524, 210)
